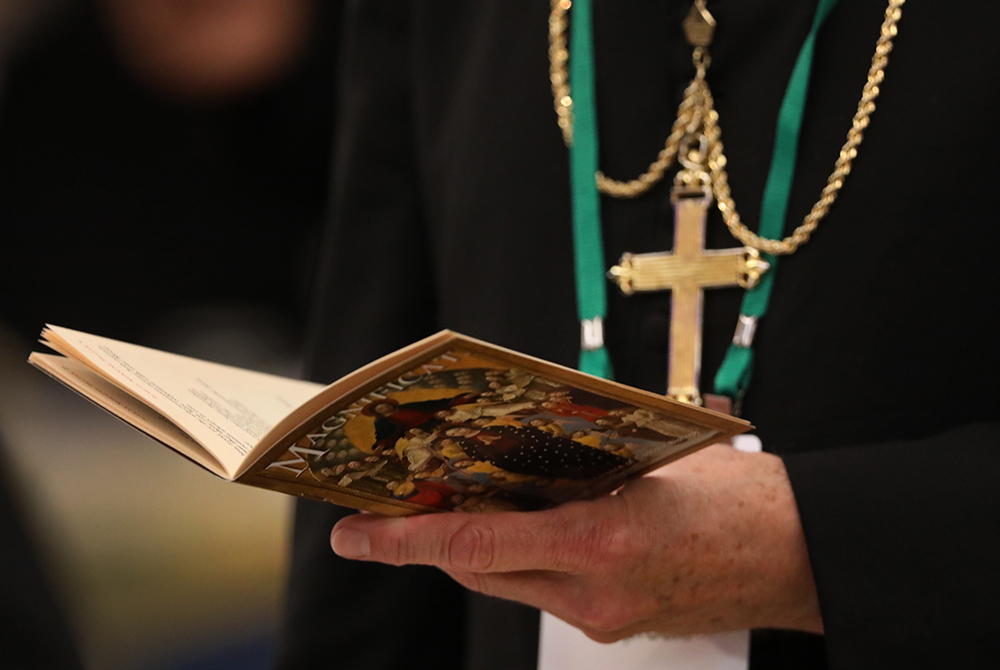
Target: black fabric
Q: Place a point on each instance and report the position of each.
(452, 210)
(891, 595)
(374, 619)
(500, 634)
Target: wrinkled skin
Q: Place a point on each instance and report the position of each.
(709, 543)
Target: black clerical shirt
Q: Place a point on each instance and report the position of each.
(875, 376)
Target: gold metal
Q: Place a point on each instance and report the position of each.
(696, 115)
(641, 273)
(699, 25)
(559, 79)
(687, 271)
(753, 269)
(558, 74)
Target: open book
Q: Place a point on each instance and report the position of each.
(446, 423)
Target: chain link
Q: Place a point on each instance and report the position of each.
(696, 115)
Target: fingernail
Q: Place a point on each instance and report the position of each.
(350, 543)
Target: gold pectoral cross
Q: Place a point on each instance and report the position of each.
(686, 272)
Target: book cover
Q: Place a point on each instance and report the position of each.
(469, 426)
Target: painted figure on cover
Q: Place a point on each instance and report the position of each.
(467, 432)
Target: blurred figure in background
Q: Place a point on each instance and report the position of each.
(169, 154)
(215, 51)
(163, 173)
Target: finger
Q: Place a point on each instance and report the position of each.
(545, 590)
(564, 539)
(567, 597)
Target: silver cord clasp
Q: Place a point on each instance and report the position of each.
(746, 327)
(592, 334)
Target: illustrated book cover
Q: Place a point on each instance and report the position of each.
(447, 423)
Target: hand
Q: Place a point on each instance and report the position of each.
(709, 543)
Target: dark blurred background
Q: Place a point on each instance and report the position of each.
(163, 174)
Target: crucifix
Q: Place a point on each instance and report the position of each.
(687, 271)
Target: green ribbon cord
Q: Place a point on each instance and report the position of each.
(733, 377)
(591, 290)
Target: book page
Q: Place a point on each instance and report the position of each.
(103, 393)
(225, 409)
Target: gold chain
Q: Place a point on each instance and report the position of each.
(696, 116)
(559, 76)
